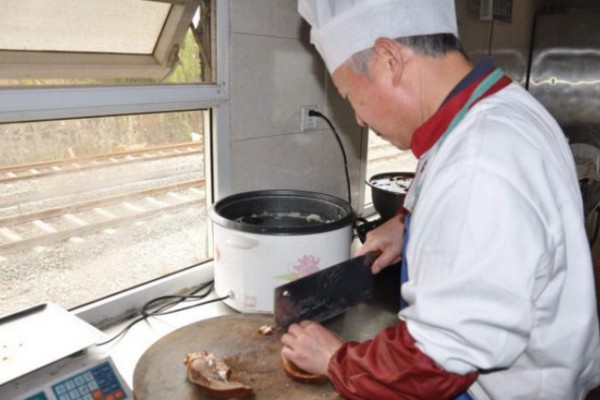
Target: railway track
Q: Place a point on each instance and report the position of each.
(385, 152)
(42, 169)
(45, 227)
(384, 157)
(103, 201)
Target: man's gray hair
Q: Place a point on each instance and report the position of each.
(429, 45)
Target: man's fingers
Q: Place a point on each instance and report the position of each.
(383, 261)
(294, 332)
(290, 337)
(287, 352)
(366, 248)
(287, 340)
(294, 329)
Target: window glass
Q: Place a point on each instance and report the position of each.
(104, 187)
(90, 207)
(97, 26)
(92, 42)
(384, 157)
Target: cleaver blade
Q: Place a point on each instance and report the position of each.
(326, 293)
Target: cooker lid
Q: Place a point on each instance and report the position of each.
(282, 212)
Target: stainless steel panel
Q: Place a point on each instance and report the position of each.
(572, 5)
(507, 43)
(565, 72)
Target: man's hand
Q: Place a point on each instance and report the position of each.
(387, 239)
(310, 346)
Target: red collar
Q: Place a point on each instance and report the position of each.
(428, 134)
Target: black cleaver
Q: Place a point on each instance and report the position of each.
(326, 293)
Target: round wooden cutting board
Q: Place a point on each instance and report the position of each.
(253, 358)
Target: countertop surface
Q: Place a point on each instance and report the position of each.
(358, 323)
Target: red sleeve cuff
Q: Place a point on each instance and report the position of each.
(401, 213)
(391, 367)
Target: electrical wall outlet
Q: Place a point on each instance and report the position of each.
(486, 10)
(492, 10)
(307, 123)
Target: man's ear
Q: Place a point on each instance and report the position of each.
(393, 55)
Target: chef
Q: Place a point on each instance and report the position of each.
(498, 289)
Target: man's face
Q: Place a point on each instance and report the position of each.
(377, 103)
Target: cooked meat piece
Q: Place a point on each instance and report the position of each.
(266, 330)
(300, 375)
(212, 375)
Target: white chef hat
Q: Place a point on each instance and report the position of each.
(341, 28)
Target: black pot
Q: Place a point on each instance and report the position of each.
(388, 198)
(285, 212)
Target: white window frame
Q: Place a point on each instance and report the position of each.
(29, 104)
(366, 209)
(74, 65)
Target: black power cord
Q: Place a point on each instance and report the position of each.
(315, 113)
(163, 303)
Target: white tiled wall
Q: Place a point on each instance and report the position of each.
(274, 70)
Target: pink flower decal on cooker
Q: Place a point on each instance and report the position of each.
(306, 265)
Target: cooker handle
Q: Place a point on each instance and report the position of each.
(240, 242)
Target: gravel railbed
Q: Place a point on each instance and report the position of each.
(37, 194)
(79, 270)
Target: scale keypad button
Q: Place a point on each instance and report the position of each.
(97, 383)
(60, 389)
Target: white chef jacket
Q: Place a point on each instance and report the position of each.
(499, 267)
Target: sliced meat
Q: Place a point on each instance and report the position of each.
(300, 375)
(266, 330)
(212, 375)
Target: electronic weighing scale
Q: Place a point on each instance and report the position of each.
(43, 357)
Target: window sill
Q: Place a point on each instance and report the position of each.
(127, 350)
(113, 309)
